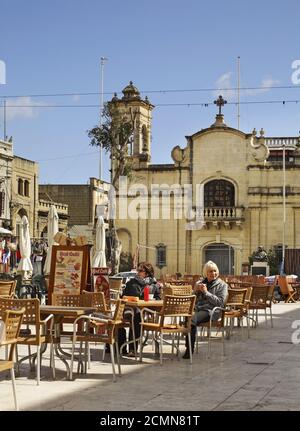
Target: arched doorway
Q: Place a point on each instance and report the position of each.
(223, 255)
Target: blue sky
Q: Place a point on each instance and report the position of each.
(54, 47)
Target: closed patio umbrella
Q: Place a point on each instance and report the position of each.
(52, 229)
(25, 265)
(98, 256)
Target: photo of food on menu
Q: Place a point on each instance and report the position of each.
(68, 270)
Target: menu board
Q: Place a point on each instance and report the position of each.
(68, 273)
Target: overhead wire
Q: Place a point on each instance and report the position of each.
(203, 104)
(179, 90)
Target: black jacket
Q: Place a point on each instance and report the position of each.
(135, 287)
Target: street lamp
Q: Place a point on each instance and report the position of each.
(284, 211)
(103, 60)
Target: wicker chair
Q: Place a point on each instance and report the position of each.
(178, 283)
(66, 300)
(8, 288)
(115, 289)
(108, 336)
(218, 324)
(12, 320)
(179, 307)
(36, 332)
(259, 301)
(237, 307)
(175, 290)
(102, 310)
(97, 301)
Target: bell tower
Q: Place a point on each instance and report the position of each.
(138, 112)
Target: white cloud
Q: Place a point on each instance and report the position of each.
(267, 83)
(2, 72)
(225, 81)
(22, 107)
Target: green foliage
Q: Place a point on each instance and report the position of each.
(114, 135)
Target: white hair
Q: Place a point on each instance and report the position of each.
(209, 265)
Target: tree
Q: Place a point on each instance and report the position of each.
(115, 135)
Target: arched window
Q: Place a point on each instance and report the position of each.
(20, 187)
(218, 193)
(161, 255)
(26, 188)
(144, 139)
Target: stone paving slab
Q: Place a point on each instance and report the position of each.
(260, 373)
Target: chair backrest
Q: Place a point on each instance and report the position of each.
(7, 288)
(12, 320)
(178, 306)
(236, 297)
(115, 283)
(66, 300)
(285, 287)
(96, 300)
(270, 294)
(31, 314)
(119, 310)
(178, 283)
(259, 294)
(248, 294)
(175, 290)
(112, 325)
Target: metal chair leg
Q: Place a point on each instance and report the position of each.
(112, 355)
(13, 381)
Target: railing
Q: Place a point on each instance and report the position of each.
(280, 142)
(45, 205)
(223, 213)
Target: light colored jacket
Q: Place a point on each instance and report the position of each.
(217, 291)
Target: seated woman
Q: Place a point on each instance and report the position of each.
(211, 292)
(135, 287)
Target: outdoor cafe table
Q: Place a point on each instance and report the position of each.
(59, 313)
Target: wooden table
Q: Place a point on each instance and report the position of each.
(59, 313)
(145, 304)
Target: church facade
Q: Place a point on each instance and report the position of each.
(227, 193)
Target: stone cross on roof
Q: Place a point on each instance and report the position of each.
(220, 102)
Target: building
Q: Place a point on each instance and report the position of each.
(84, 203)
(6, 158)
(236, 184)
(221, 199)
(19, 195)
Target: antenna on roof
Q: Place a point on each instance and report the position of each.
(238, 93)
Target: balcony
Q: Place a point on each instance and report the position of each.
(278, 143)
(218, 217)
